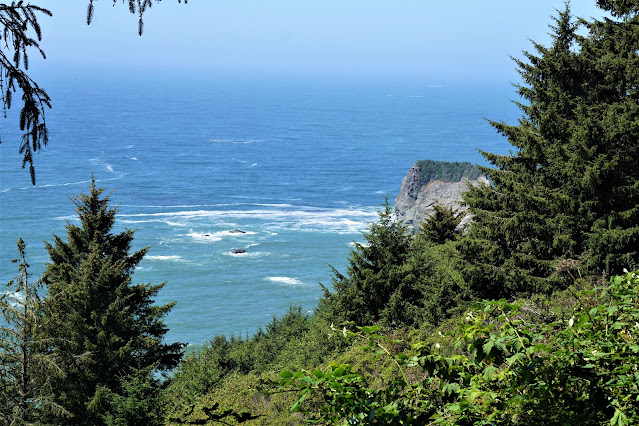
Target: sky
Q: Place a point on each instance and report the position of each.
(466, 39)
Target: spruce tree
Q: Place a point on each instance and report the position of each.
(607, 143)
(441, 225)
(26, 369)
(374, 276)
(570, 190)
(104, 327)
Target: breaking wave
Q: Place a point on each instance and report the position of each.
(284, 280)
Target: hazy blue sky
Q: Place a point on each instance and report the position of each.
(434, 40)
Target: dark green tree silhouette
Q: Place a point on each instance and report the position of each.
(104, 327)
(441, 226)
(374, 276)
(570, 189)
(17, 23)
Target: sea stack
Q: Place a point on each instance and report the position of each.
(430, 182)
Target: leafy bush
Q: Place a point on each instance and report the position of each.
(499, 367)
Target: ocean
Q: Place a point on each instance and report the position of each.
(299, 165)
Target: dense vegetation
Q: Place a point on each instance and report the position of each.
(430, 170)
(569, 193)
(530, 362)
(527, 316)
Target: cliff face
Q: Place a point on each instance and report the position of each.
(429, 182)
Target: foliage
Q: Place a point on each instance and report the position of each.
(499, 367)
(437, 268)
(26, 368)
(136, 7)
(441, 226)
(346, 394)
(374, 275)
(20, 31)
(138, 403)
(239, 399)
(569, 191)
(214, 377)
(430, 170)
(18, 21)
(395, 279)
(101, 326)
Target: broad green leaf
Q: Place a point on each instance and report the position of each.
(488, 346)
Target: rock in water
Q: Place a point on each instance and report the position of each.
(430, 182)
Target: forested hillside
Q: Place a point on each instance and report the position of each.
(529, 315)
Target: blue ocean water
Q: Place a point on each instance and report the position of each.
(300, 165)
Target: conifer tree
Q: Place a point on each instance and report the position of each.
(26, 369)
(441, 226)
(607, 142)
(374, 275)
(570, 190)
(104, 328)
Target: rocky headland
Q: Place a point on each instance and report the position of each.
(430, 182)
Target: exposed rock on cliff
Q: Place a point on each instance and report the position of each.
(429, 182)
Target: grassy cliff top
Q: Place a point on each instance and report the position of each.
(430, 170)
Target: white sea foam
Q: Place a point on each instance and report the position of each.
(339, 220)
(177, 224)
(69, 217)
(263, 214)
(253, 165)
(51, 185)
(76, 183)
(248, 253)
(129, 146)
(217, 236)
(284, 280)
(102, 163)
(233, 233)
(202, 237)
(355, 243)
(172, 258)
(279, 205)
(133, 158)
(154, 220)
(179, 206)
(233, 141)
(14, 296)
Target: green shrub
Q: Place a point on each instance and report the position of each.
(502, 365)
